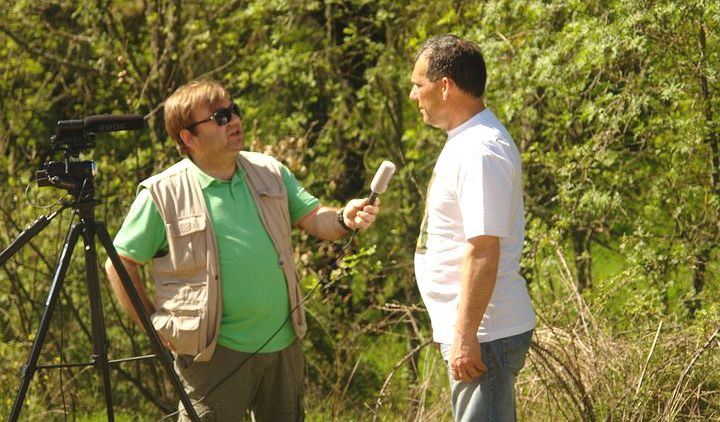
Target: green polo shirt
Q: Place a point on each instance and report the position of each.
(254, 291)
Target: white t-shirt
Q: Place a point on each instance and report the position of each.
(476, 189)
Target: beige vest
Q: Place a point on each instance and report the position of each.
(188, 296)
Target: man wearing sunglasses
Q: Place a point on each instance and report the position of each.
(217, 228)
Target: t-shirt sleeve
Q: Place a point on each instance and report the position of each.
(485, 188)
(142, 235)
(300, 201)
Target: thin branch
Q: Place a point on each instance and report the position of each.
(378, 401)
(647, 361)
(673, 402)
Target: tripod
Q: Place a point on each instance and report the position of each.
(78, 179)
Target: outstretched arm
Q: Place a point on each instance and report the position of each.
(323, 221)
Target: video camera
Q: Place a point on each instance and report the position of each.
(74, 136)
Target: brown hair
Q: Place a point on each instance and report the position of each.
(457, 59)
(179, 106)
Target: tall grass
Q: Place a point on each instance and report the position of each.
(590, 360)
(581, 366)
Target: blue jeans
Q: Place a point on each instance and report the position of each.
(490, 397)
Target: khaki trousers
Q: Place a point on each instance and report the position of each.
(268, 384)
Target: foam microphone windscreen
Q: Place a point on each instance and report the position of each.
(113, 123)
(380, 182)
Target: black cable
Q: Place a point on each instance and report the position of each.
(62, 323)
(253, 354)
(62, 362)
(62, 319)
(62, 335)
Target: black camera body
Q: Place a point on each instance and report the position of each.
(73, 137)
(68, 175)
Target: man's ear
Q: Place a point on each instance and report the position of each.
(446, 84)
(187, 138)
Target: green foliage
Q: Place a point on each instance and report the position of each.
(614, 106)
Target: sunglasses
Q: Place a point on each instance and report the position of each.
(221, 116)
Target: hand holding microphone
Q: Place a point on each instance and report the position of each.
(359, 214)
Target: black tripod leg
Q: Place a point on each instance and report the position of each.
(25, 236)
(31, 365)
(165, 358)
(100, 356)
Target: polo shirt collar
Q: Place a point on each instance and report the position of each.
(206, 180)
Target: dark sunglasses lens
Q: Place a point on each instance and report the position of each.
(223, 116)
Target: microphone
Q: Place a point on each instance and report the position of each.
(113, 123)
(380, 181)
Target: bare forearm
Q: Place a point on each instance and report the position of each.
(121, 293)
(323, 224)
(479, 272)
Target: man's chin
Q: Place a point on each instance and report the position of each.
(239, 144)
(431, 122)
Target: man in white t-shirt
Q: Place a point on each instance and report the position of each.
(467, 261)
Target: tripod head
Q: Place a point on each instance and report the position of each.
(72, 137)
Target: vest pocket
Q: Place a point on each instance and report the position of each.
(275, 203)
(179, 316)
(272, 190)
(187, 242)
(182, 331)
(273, 194)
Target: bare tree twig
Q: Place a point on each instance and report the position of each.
(674, 400)
(647, 361)
(378, 401)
